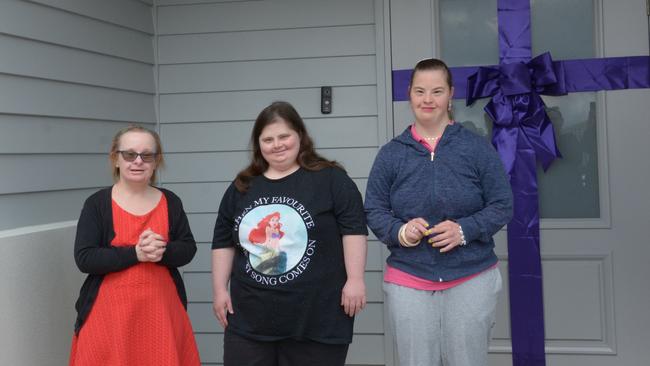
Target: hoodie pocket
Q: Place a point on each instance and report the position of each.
(421, 253)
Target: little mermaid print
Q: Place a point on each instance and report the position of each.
(268, 234)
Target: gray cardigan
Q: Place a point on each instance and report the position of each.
(464, 182)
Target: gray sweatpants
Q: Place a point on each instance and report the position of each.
(450, 327)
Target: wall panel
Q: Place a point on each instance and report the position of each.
(246, 105)
(224, 136)
(37, 207)
(23, 134)
(268, 44)
(267, 74)
(31, 96)
(127, 13)
(72, 74)
(262, 15)
(47, 61)
(47, 24)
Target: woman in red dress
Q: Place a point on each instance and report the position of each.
(131, 238)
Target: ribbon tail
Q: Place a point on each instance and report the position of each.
(504, 140)
(539, 130)
(504, 134)
(524, 261)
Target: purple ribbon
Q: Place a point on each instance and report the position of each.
(580, 75)
(516, 106)
(523, 134)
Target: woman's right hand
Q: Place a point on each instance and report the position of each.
(415, 229)
(150, 246)
(221, 304)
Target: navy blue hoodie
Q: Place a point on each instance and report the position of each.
(464, 181)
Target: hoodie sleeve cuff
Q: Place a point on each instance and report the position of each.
(471, 230)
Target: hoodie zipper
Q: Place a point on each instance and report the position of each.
(432, 155)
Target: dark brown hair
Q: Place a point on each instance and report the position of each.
(115, 146)
(432, 64)
(307, 158)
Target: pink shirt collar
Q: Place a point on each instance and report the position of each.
(421, 139)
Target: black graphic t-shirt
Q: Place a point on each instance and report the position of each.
(289, 270)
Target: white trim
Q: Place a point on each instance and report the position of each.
(26, 230)
(435, 28)
(156, 79)
(384, 71)
(384, 62)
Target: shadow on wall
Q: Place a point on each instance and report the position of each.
(38, 287)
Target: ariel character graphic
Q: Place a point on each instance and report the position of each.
(267, 233)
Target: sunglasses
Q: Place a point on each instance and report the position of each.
(130, 156)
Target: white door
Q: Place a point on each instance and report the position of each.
(594, 202)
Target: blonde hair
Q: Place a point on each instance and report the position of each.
(115, 146)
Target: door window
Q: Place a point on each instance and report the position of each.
(468, 36)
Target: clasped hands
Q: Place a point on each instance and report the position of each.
(445, 235)
(150, 247)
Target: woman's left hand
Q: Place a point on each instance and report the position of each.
(445, 235)
(152, 245)
(353, 297)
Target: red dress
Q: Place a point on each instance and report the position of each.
(137, 318)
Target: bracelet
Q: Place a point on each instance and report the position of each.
(463, 242)
(402, 238)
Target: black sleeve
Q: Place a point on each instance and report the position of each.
(181, 246)
(91, 255)
(222, 236)
(348, 204)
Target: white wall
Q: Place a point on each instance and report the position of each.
(39, 286)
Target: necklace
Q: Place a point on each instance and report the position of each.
(432, 138)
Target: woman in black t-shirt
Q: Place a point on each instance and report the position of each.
(290, 238)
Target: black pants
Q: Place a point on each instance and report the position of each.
(240, 351)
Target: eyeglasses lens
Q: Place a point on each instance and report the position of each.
(130, 156)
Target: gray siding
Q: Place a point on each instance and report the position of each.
(72, 73)
(220, 63)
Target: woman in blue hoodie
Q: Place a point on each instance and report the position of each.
(436, 195)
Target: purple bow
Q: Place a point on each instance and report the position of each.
(516, 105)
